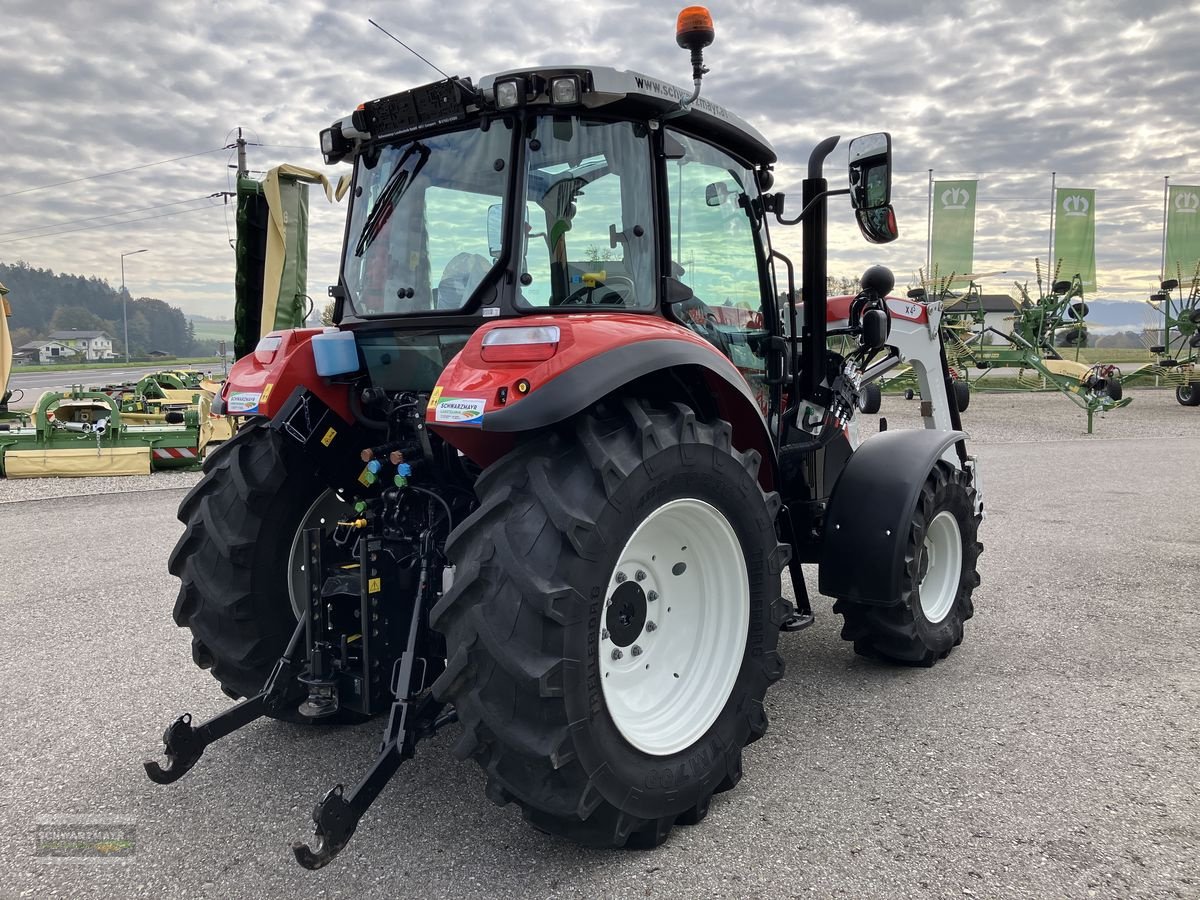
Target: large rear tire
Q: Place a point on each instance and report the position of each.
(612, 626)
(242, 518)
(925, 622)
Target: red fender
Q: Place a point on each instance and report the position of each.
(476, 405)
(261, 382)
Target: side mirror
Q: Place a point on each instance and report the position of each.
(878, 225)
(874, 328)
(715, 194)
(495, 229)
(871, 171)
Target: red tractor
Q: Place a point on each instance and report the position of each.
(571, 431)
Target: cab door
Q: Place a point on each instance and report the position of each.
(718, 250)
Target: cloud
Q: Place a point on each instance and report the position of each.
(1102, 93)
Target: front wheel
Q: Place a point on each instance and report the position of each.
(925, 622)
(1188, 394)
(612, 625)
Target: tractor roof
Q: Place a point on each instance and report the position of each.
(636, 94)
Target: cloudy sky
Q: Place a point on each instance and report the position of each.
(1102, 92)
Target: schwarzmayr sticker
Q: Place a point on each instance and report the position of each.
(459, 411)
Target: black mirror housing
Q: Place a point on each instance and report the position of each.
(878, 225)
(874, 328)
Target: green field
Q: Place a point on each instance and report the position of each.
(213, 331)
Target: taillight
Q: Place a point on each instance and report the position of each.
(264, 350)
(520, 344)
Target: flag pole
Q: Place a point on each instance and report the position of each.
(1162, 268)
(929, 228)
(1050, 245)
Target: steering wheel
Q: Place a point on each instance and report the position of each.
(576, 296)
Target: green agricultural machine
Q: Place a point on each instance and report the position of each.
(1041, 326)
(80, 432)
(1179, 339)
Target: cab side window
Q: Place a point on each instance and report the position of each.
(713, 251)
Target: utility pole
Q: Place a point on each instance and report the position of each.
(125, 299)
(242, 171)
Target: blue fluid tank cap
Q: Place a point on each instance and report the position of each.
(373, 467)
(404, 469)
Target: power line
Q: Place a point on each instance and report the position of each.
(42, 187)
(112, 224)
(124, 212)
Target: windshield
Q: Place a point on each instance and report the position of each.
(589, 215)
(418, 232)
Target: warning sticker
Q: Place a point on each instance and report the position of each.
(243, 402)
(435, 397)
(459, 410)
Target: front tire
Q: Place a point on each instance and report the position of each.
(634, 527)
(925, 622)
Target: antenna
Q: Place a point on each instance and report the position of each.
(409, 49)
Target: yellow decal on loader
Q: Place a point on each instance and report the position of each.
(435, 397)
(266, 392)
(329, 436)
(374, 585)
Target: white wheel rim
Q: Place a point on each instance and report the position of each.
(942, 561)
(689, 627)
(327, 510)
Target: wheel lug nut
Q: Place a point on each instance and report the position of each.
(604, 634)
(617, 654)
(636, 650)
(652, 596)
(640, 575)
(621, 576)
(650, 626)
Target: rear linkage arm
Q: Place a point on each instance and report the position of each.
(414, 715)
(184, 744)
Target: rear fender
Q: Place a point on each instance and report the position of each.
(261, 382)
(479, 406)
(866, 524)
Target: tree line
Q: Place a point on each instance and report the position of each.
(43, 301)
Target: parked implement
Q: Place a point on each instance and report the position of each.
(545, 477)
(1041, 326)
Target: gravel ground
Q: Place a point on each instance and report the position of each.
(1054, 754)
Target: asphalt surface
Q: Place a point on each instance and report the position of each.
(35, 381)
(1056, 753)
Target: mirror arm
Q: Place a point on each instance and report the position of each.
(821, 196)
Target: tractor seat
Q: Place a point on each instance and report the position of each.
(460, 278)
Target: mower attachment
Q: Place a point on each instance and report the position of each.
(184, 745)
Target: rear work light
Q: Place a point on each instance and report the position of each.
(521, 344)
(564, 90)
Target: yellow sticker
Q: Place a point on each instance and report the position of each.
(435, 396)
(262, 398)
(329, 436)
(374, 585)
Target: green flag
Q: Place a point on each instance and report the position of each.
(1075, 235)
(952, 249)
(1183, 231)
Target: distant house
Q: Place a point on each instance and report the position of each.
(43, 351)
(90, 345)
